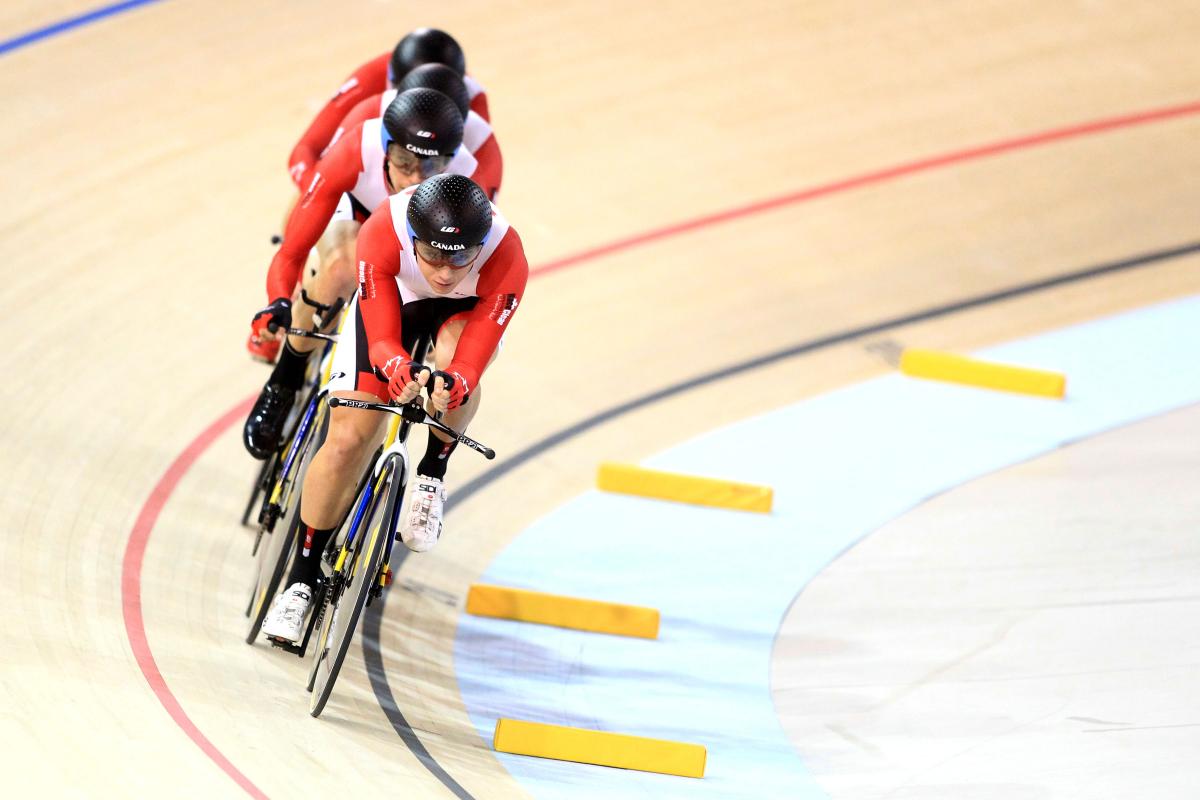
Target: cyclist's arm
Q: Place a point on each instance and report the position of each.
(327, 181)
(378, 256)
(501, 285)
(362, 111)
(369, 79)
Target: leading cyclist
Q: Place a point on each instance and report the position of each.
(437, 260)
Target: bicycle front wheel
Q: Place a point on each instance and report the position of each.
(353, 585)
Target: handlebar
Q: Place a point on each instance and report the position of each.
(274, 327)
(414, 412)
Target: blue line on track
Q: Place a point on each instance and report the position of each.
(69, 24)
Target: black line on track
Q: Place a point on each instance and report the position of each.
(372, 653)
(373, 657)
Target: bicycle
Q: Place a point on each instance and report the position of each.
(306, 433)
(274, 560)
(265, 481)
(360, 564)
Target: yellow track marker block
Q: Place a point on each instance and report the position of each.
(960, 369)
(599, 747)
(597, 616)
(628, 479)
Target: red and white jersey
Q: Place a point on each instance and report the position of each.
(389, 277)
(369, 79)
(478, 138)
(354, 166)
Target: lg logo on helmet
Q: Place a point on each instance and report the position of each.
(451, 229)
(427, 134)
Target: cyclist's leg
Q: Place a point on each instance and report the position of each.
(332, 477)
(329, 484)
(324, 499)
(334, 278)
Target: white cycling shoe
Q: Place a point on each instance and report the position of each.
(285, 620)
(423, 525)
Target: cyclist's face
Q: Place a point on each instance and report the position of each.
(441, 274)
(406, 169)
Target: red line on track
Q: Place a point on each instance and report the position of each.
(135, 549)
(875, 176)
(131, 589)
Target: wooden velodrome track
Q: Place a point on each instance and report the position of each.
(805, 169)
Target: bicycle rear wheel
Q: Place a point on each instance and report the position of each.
(275, 553)
(353, 585)
(260, 482)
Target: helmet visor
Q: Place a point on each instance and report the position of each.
(409, 163)
(457, 259)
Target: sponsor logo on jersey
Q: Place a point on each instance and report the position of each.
(503, 308)
(318, 180)
(347, 86)
(427, 134)
(366, 280)
(441, 246)
(421, 151)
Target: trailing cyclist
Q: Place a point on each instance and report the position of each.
(385, 71)
(478, 137)
(419, 135)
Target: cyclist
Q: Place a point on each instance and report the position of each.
(419, 135)
(438, 259)
(478, 137)
(422, 46)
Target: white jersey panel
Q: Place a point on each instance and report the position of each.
(412, 283)
(370, 189)
(386, 99)
(475, 132)
(473, 86)
(463, 163)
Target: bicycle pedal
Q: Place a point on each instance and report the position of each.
(284, 644)
(269, 515)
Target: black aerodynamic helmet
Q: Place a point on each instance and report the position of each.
(424, 122)
(425, 46)
(452, 214)
(440, 78)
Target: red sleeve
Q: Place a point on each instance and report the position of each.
(378, 256)
(333, 175)
(367, 109)
(491, 167)
(479, 105)
(501, 285)
(369, 79)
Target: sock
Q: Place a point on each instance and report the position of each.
(437, 454)
(307, 568)
(289, 370)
